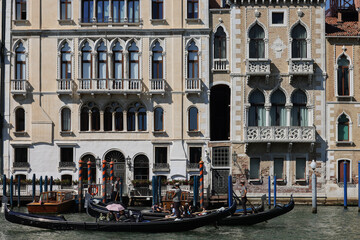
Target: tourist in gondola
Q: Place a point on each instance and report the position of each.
(176, 200)
(243, 192)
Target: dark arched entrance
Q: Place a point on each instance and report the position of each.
(86, 159)
(119, 163)
(220, 113)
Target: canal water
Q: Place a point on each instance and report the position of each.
(331, 222)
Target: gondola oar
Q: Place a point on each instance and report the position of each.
(252, 206)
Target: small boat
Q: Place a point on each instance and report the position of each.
(163, 225)
(251, 219)
(53, 202)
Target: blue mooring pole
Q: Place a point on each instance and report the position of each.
(345, 185)
(121, 189)
(153, 189)
(4, 185)
(230, 191)
(358, 186)
(159, 189)
(33, 187)
(11, 191)
(46, 184)
(269, 188)
(196, 190)
(51, 183)
(41, 183)
(274, 190)
(18, 192)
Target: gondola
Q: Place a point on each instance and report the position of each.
(251, 219)
(164, 225)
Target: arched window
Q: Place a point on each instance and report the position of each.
(90, 111)
(108, 119)
(220, 44)
(299, 44)
(141, 168)
(133, 61)
(142, 119)
(131, 119)
(341, 170)
(84, 119)
(118, 61)
(193, 119)
(65, 120)
(95, 119)
(343, 76)
(20, 120)
(343, 128)
(102, 61)
(157, 61)
(86, 160)
(119, 122)
(102, 10)
(257, 43)
(193, 61)
(299, 110)
(257, 111)
(158, 119)
(66, 62)
(86, 61)
(118, 10)
(278, 111)
(20, 62)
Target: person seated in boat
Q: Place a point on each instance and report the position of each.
(160, 208)
(120, 216)
(157, 208)
(173, 213)
(203, 212)
(186, 212)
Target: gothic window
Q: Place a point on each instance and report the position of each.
(133, 10)
(131, 119)
(87, 10)
(102, 61)
(193, 61)
(118, 10)
(20, 62)
(299, 43)
(66, 62)
(299, 113)
(157, 61)
(65, 120)
(86, 61)
(95, 119)
(102, 10)
(118, 61)
(108, 119)
(343, 128)
(21, 9)
(220, 44)
(257, 42)
(142, 122)
(113, 117)
(192, 9)
(119, 122)
(133, 61)
(158, 119)
(65, 9)
(157, 9)
(343, 85)
(193, 119)
(20, 120)
(278, 111)
(257, 111)
(90, 112)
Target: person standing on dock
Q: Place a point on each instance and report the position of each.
(243, 191)
(116, 189)
(176, 200)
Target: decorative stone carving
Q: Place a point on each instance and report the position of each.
(300, 13)
(257, 13)
(278, 47)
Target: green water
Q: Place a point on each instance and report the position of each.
(329, 223)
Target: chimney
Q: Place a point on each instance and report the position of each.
(339, 17)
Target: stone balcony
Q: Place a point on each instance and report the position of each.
(64, 86)
(193, 85)
(258, 67)
(19, 86)
(280, 134)
(157, 86)
(161, 167)
(109, 86)
(67, 166)
(193, 167)
(301, 67)
(220, 64)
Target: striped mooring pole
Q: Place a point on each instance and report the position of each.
(345, 184)
(103, 188)
(89, 172)
(80, 183)
(112, 172)
(201, 184)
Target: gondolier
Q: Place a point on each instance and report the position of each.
(116, 189)
(176, 200)
(243, 191)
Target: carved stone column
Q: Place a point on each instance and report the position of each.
(288, 108)
(102, 121)
(267, 114)
(90, 121)
(113, 121)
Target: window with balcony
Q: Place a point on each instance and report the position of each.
(257, 42)
(21, 155)
(87, 11)
(21, 9)
(299, 112)
(90, 117)
(193, 119)
(133, 61)
(257, 113)
(193, 61)
(118, 8)
(66, 61)
(142, 120)
(102, 11)
(102, 64)
(20, 120)
(254, 168)
(65, 120)
(343, 128)
(86, 61)
(343, 85)
(157, 61)
(133, 11)
(220, 44)
(157, 9)
(158, 119)
(192, 9)
(278, 111)
(341, 171)
(141, 168)
(279, 168)
(220, 157)
(299, 43)
(300, 169)
(20, 62)
(118, 61)
(65, 9)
